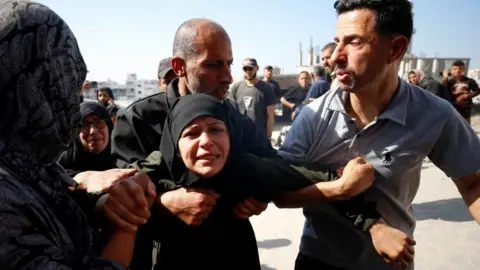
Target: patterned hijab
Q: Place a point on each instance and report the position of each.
(41, 74)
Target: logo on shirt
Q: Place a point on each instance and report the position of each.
(387, 158)
(247, 101)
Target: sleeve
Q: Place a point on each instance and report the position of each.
(289, 96)
(474, 87)
(25, 245)
(132, 138)
(457, 148)
(277, 90)
(233, 93)
(269, 95)
(300, 137)
(252, 141)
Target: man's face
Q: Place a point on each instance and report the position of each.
(267, 73)
(458, 71)
(412, 78)
(304, 80)
(163, 83)
(210, 71)
(361, 55)
(326, 54)
(250, 73)
(103, 97)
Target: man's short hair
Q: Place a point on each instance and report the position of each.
(458, 63)
(302, 72)
(392, 17)
(411, 72)
(330, 45)
(268, 68)
(318, 71)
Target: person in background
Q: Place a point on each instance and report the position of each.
(413, 77)
(105, 96)
(318, 89)
(91, 150)
(255, 98)
(42, 227)
(268, 78)
(296, 95)
(165, 73)
(430, 84)
(461, 88)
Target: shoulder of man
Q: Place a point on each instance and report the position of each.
(148, 108)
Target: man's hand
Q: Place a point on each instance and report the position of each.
(249, 208)
(356, 177)
(101, 181)
(445, 74)
(393, 245)
(128, 202)
(192, 205)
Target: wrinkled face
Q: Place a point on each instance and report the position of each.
(210, 71)
(204, 146)
(326, 55)
(250, 73)
(304, 80)
(103, 97)
(94, 134)
(163, 83)
(361, 55)
(267, 73)
(412, 78)
(458, 71)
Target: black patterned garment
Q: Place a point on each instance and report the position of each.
(41, 74)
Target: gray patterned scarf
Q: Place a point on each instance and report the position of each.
(41, 74)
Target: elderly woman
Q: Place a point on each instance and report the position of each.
(41, 74)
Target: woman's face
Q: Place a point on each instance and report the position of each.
(94, 133)
(204, 146)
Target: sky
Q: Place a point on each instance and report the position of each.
(117, 37)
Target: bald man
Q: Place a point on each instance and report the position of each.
(202, 57)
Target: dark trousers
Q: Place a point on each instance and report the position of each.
(304, 262)
(466, 112)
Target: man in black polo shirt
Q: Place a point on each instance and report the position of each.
(296, 95)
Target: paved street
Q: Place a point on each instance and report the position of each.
(447, 236)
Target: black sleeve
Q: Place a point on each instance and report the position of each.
(269, 95)
(290, 95)
(132, 138)
(276, 90)
(252, 141)
(474, 87)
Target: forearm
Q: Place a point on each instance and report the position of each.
(120, 247)
(286, 103)
(319, 193)
(270, 123)
(471, 198)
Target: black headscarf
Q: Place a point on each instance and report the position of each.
(41, 75)
(183, 112)
(78, 158)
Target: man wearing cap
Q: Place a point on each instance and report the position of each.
(255, 98)
(268, 78)
(165, 73)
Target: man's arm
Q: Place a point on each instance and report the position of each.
(474, 89)
(270, 119)
(270, 103)
(457, 153)
(285, 99)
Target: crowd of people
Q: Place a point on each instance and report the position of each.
(170, 181)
